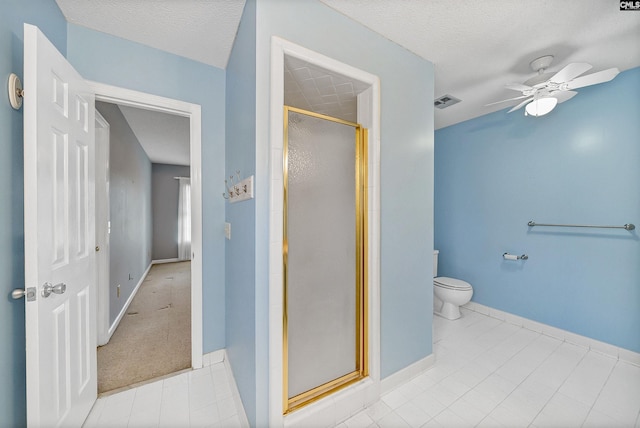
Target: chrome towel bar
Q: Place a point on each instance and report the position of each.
(627, 226)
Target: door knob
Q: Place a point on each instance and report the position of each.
(47, 289)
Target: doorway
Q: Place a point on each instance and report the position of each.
(366, 103)
(59, 246)
(192, 112)
(147, 246)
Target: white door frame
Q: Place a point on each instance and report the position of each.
(366, 391)
(131, 98)
(102, 232)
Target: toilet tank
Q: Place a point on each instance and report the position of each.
(435, 262)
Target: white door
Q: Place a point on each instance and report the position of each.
(59, 237)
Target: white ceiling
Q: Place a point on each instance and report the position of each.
(476, 46)
(479, 46)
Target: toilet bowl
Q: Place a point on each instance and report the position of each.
(449, 293)
(453, 293)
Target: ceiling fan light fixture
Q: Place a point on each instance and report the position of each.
(541, 106)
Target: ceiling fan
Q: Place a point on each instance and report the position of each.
(543, 92)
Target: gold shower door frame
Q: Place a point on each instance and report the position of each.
(361, 286)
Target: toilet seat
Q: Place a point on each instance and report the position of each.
(451, 283)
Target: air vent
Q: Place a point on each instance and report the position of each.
(445, 101)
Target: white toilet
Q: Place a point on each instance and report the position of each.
(449, 293)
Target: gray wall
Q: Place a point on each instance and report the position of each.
(164, 199)
(130, 209)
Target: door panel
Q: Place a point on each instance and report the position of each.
(324, 255)
(61, 339)
(59, 237)
(321, 251)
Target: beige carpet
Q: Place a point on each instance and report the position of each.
(154, 337)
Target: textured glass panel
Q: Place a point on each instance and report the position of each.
(321, 267)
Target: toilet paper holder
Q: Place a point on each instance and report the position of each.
(508, 256)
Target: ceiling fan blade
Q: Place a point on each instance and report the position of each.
(519, 106)
(570, 72)
(593, 78)
(563, 96)
(518, 87)
(504, 101)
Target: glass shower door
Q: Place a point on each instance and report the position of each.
(324, 255)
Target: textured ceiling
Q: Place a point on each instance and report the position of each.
(479, 46)
(164, 137)
(476, 46)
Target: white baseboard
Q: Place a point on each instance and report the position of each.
(567, 336)
(213, 357)
(404, 375)
(123, 311)
(161, 261)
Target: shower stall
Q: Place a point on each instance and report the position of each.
(324, 256)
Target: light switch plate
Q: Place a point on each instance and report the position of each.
(227, 230)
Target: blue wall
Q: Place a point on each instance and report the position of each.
(13, 13)
(108, 59)
(407, 164)
(406, 160)
(578, 164)
(240, 250)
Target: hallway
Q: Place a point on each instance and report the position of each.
(153, 338)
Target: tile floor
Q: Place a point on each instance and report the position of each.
(198, 398)
(488, 373)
